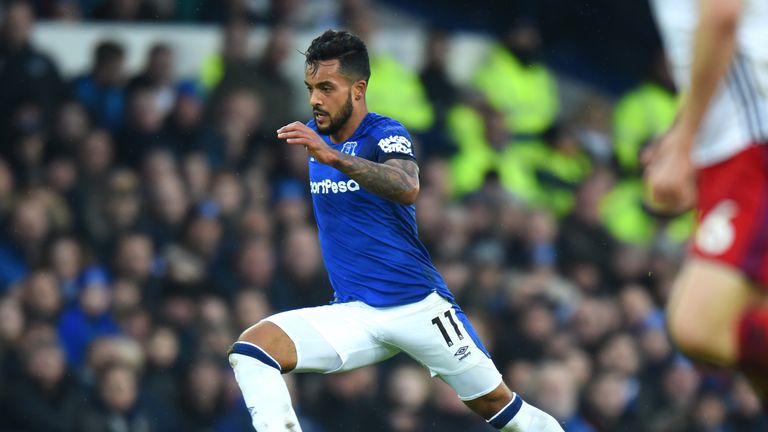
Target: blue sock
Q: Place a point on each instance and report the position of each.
(251, 350)
(503, 417)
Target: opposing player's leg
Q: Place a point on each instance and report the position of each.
(716, 315)
(437, 333)
(324, 339)
(705, 308)
(717, 311)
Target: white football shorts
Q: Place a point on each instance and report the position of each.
(435, 332)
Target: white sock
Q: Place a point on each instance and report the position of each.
(264, 390)
(519, 416)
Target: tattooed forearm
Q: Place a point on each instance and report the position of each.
(396, 179)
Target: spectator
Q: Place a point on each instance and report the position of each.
(116, 406)
(302, 280)
(747, 414)
(109, 350)
(95, 156)
(134, 262)
(102, 90)
(12, 324)
(41, 297)
(234, 54)
(114, 210)
(159, 76)
(197, 176)
(168, 206)
(439, 88)
(71, 127)
(449, 414)
(89, 318)
(629, 220)
(228, 197)
(256, 264)
(185, 128)
(162, 370)
(7, 189)
(291, 208)
(94, 159)
(393, 89)
(518, 84)
(235, 71)
(127, 300)
(45, 397)
(26, 74)
(270, 81)
(23, 246)
(677, 397)
(143, 128)
(585, 248)
(609, 399)
(593, 129)
(66, 258)
(250, 306)
(60, 173)
(347, 402)
(407, 396)
(240, 123)
(27, 145)
(203, 403)
(557, 391)
(643, 113)
(709, 413)
(190, 260)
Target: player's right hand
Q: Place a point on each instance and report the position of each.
(297, 133)
(669, 174)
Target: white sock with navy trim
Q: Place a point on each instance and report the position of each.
(518, 416)
(263, 388)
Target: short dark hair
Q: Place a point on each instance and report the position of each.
(349, 49)
(108, 51)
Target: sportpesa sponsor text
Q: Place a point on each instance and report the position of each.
(329, 186)
(390, 144)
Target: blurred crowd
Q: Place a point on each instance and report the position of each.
(148, 219)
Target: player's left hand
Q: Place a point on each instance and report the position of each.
(297, 133)
(669, 174)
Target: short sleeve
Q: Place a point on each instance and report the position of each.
(397, 145)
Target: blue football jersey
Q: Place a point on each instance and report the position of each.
(371, 245)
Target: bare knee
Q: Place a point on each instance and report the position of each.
(490, 404)
(699, 338)
(274, 341)
(705, 306)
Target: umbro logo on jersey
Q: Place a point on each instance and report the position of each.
(462, 352)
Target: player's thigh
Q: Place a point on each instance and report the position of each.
(729, 253)
(705, 306)
(438, 334)
(331, 338)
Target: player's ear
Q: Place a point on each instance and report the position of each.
(359, 88)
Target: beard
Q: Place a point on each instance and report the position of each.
(335, 123)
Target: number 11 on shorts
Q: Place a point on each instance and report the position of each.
(439, 323)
